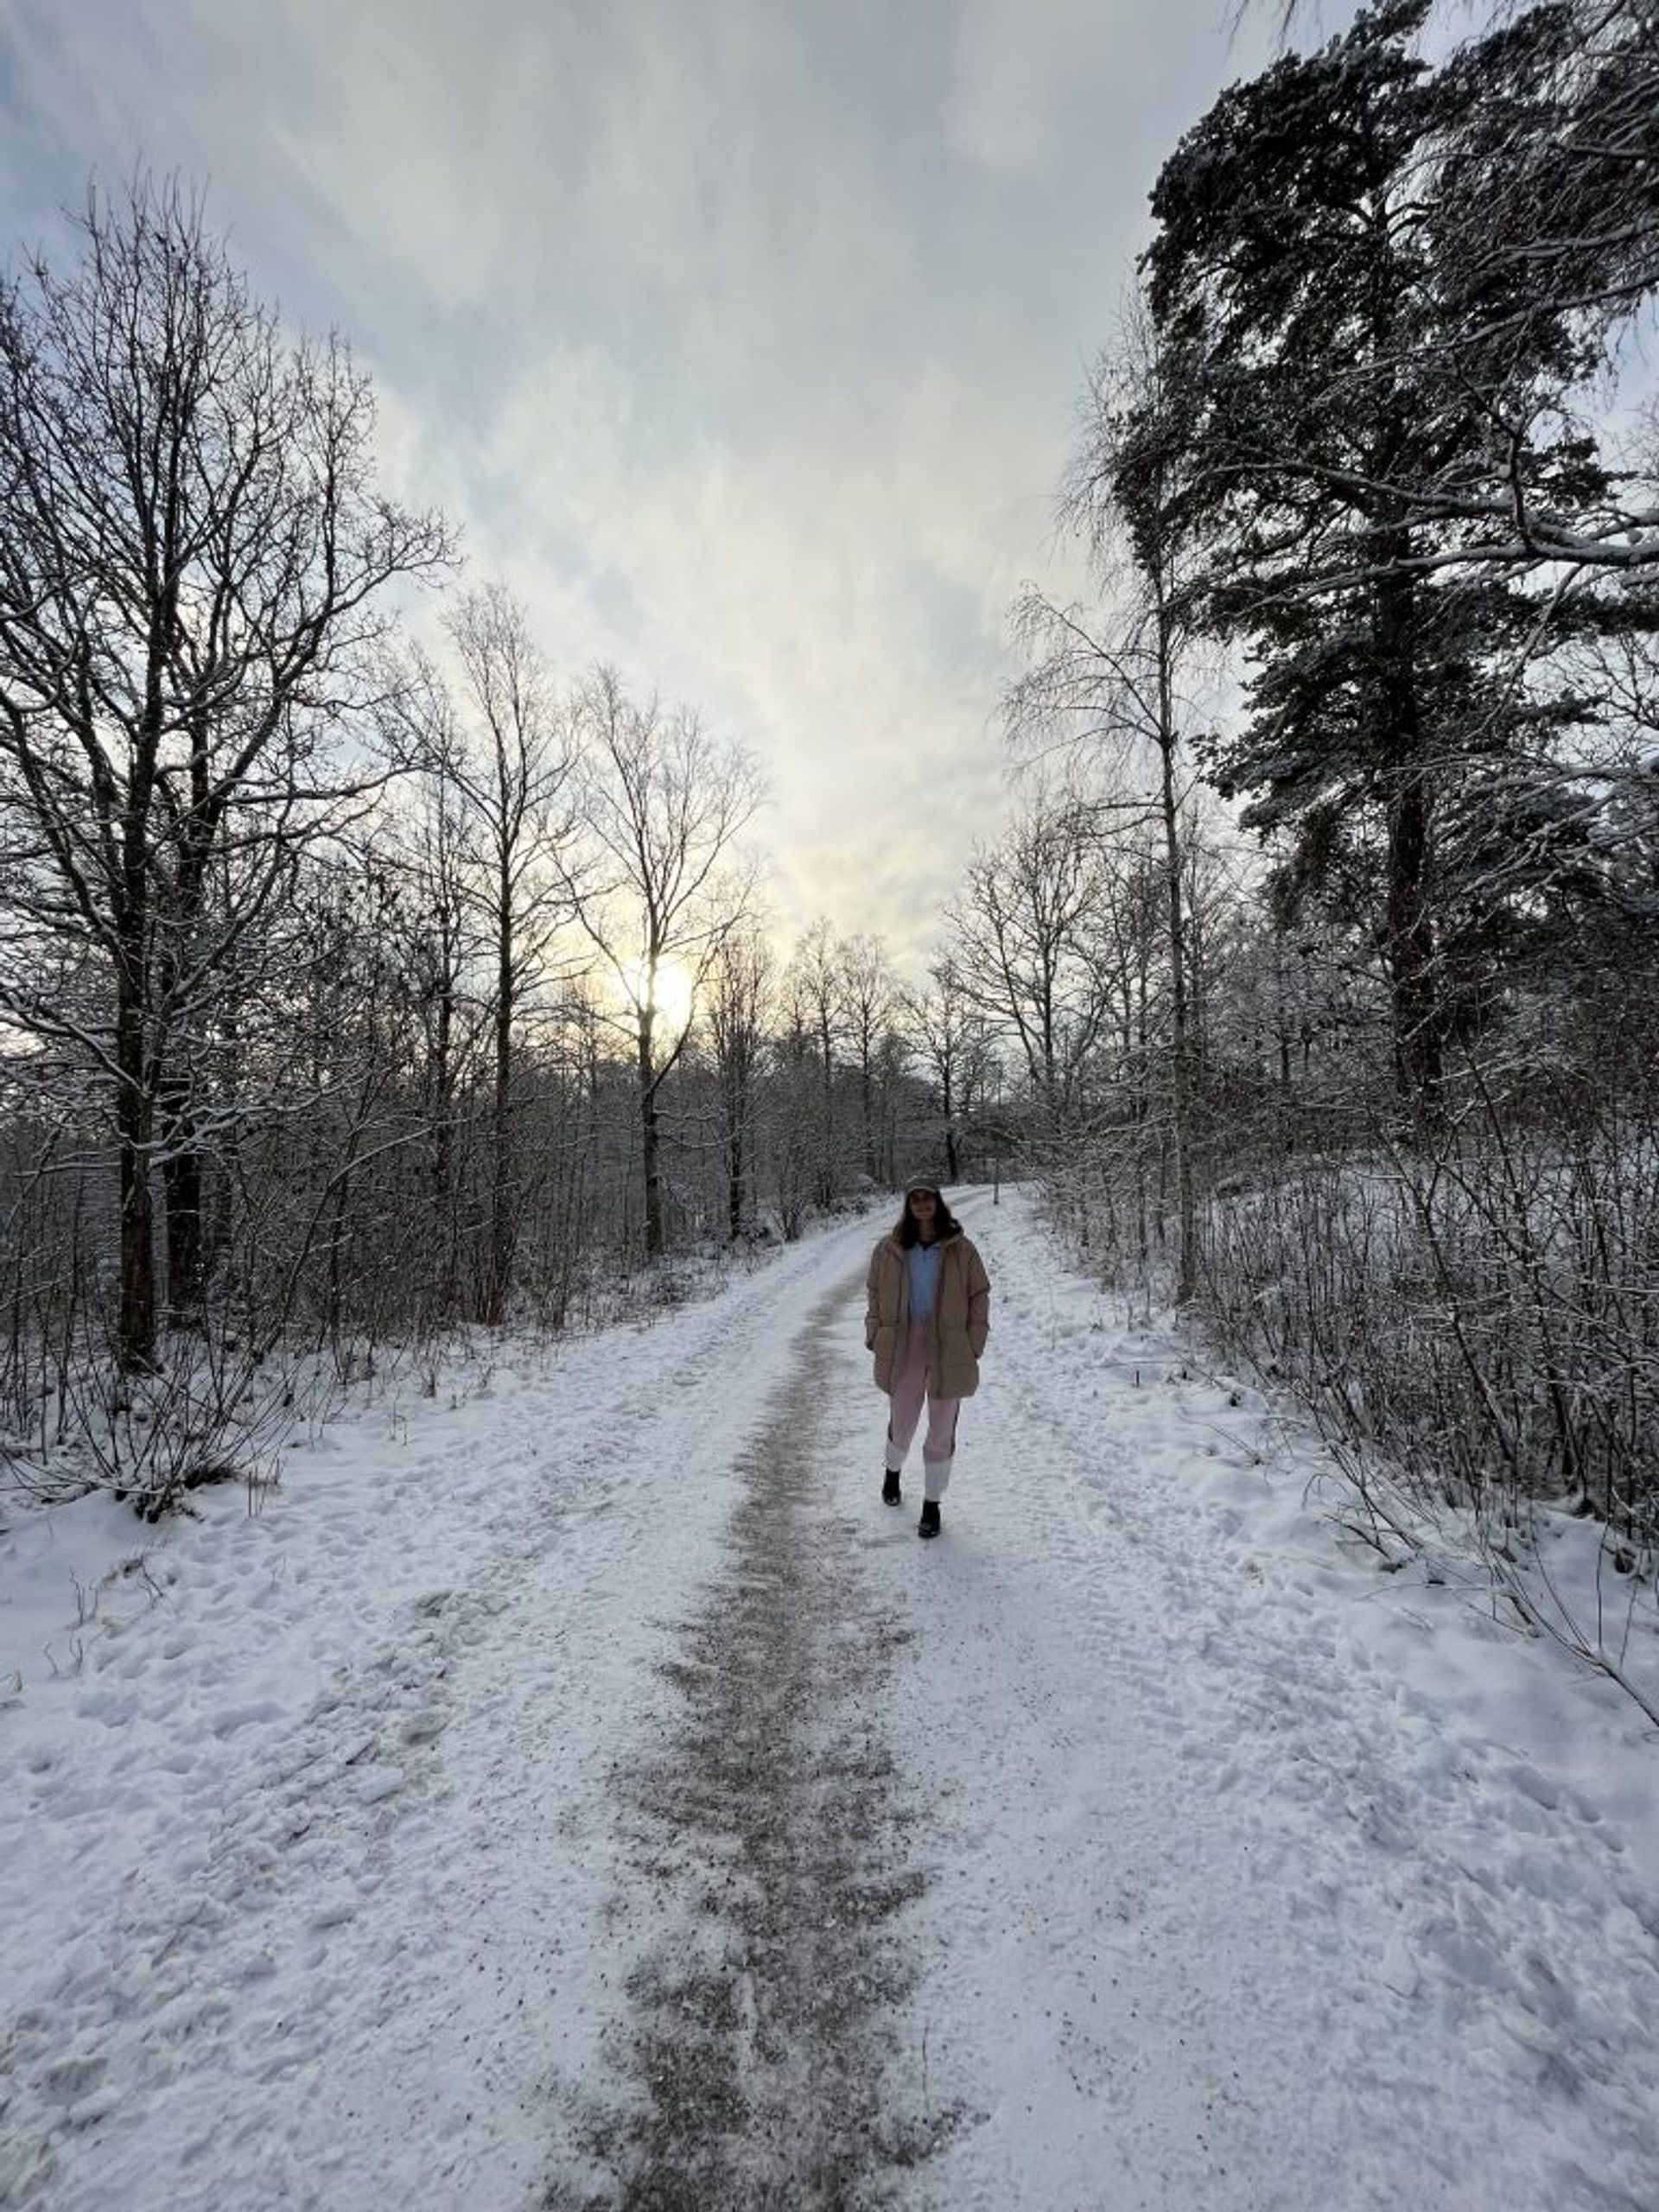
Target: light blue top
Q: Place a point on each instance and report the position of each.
(922, 1264)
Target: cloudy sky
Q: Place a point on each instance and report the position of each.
(744, 338)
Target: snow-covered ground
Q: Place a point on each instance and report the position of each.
(586, 1793)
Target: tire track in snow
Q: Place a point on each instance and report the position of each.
(770, 1826)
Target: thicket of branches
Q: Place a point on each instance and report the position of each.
(1372, 495)
(347, 989)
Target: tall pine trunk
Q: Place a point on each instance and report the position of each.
(1409, 920)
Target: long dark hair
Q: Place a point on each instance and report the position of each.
(944, 1222)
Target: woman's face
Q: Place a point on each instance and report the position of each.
(924, 1207)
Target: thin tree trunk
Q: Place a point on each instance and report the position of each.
(182, 1179)
(1411, 949)
(443, 1146)
(739, 1088)
(501, 1185)
(1186, 1269)
(135, 1329)
(650, 1137)
(1410, 930)
(735, 1181)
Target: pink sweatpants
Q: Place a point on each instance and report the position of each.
(910, 1390)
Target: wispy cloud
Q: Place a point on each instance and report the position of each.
(743, 339)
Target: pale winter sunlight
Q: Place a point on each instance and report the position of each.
(670, 993)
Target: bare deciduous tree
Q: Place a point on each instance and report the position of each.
(664, 804)
(815, 985)
(948, 1035)
(192, 558)
(740, 993)
(870, 998)
(1020, 948)
(512, 769)
(1115, 686)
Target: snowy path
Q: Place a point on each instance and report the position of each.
(1230, 1906)
(590, 1796)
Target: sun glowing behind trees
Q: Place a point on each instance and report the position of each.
(669, 994)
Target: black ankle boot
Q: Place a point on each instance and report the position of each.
(929, 1523)
(891, 1494)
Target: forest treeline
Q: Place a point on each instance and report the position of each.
(1369, 478)
(352, 991)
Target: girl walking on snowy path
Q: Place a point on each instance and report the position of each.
(926, 1317)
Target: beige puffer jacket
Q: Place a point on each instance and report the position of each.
(961, 1315)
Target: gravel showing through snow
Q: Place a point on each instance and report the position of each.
(766, 1861)
(587, 1794)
